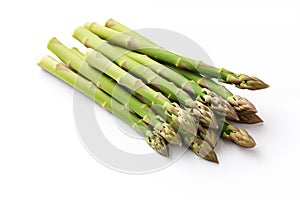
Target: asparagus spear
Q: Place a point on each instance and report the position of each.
(123, 96)
(216, 103)
(89, 39)
(149, 48)
(239, 103)
(123, 78)
(89, 89)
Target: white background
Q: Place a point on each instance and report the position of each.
(41, 154)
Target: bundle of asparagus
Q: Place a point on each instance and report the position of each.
(166, 97)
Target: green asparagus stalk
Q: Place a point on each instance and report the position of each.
(240, 104)
(123, 78)
(89, 39)
(129, 101)
(89, 89)
(213, 101)
(149, 48)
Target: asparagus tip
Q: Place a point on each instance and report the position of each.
(183, 119)
(251, 83)
(208, 135)
(212, 156)
(241, 104)
(202, 149)
(218, 104)
(164, 151)
(249, 118)
(231, 114)
(158, 144)
(246, 140)
(168, 133)
(239, 136)
(205, 114)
